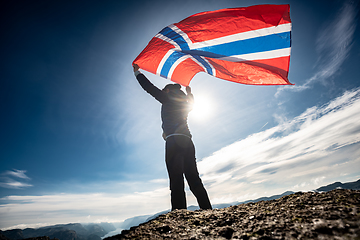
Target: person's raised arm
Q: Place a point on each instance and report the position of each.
(190, 96)
(148, 86)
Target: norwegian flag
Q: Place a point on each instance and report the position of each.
(249, 45)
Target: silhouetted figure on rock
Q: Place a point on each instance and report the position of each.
(179, 148)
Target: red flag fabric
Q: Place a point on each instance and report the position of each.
(249, 45)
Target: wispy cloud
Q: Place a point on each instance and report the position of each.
(8, 181)
(17, 173)
(333, 45)
(64, 208)
(320, 145)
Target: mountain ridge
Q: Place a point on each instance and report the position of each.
(71, 231)
(349, 185)
(302, 215)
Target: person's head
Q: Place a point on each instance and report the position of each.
(174, 92)
(171, 87)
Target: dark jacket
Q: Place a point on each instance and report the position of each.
(176, 106)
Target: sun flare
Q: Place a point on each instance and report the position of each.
(202, 108)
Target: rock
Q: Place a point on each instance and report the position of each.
(226, 232)
(330, 215)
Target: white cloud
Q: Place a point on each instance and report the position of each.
(333, 45)
(17, 173)
(10, 183)
(318, 180)
(7, 180)
(300, 154)
(161, 181)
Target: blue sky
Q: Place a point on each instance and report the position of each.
(81, 141)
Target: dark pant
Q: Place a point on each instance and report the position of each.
(180, 160)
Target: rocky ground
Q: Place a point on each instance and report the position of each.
(330, 215)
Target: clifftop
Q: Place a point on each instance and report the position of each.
(296, 216)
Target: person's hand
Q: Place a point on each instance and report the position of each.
(188, 89)
(136, 67)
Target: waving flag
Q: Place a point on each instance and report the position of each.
(249, 45)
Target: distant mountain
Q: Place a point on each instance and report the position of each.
(52, 232)
(258, 199)
(72, 231)
(12, 234)
(157, 214)
(339, 185)
(128, 223)
(2, 236)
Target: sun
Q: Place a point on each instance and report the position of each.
(202, 108)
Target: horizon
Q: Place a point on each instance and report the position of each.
(82, 141)
(37, 226)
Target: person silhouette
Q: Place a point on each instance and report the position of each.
(179, 148)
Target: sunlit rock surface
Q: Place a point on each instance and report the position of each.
(327, 215)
